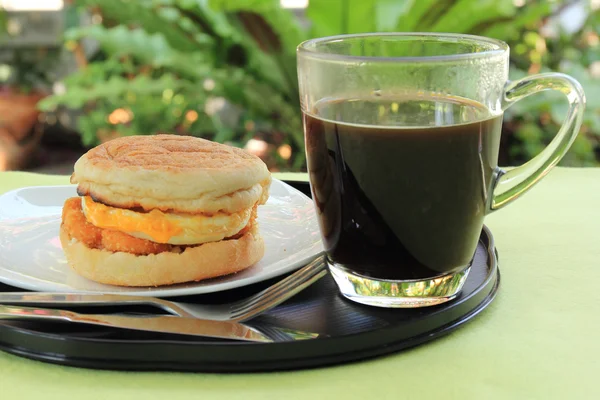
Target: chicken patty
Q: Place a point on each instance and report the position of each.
(78, 227)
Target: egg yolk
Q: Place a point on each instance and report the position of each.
(166, 227)
(152, 223)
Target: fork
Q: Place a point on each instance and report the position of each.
(240, 310)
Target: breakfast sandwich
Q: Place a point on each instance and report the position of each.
(164, 209)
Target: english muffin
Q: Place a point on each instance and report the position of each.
(164, 209)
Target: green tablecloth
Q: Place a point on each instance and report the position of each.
(538, 340)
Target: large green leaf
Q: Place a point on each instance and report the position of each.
(139, 13)
(176, 17)
(157, 51)
(273, 67)
(177, 29)
(237, 44)
(464, 15)
(150, 49)
(511, 28)
(275, 31)
(389, 12)
(283, 22)
(213, 22)
(419, 9)
(335, 17)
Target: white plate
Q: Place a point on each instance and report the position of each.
(31, 255)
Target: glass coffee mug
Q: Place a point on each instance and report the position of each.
(402, 135)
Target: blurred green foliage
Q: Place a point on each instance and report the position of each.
(25, 69)
(168, 66)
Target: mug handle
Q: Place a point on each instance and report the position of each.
(509, 185)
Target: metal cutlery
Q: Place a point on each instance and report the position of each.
(164, 324)
(238, 311)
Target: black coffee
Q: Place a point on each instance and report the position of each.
(401, 187)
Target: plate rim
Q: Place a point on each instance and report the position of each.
(304, 256)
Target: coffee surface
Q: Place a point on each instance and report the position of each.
(401, 184)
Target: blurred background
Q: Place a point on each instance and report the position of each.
(76, 73)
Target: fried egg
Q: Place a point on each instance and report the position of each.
(166, 227)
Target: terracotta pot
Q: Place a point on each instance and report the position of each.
(18, 139)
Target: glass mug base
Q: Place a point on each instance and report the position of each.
(398, 293)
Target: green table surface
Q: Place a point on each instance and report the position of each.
(538, 340)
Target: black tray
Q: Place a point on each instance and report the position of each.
(354, 331)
